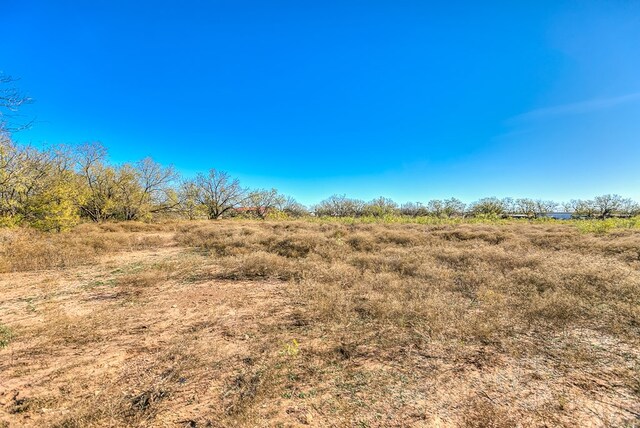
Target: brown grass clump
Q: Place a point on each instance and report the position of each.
(246, 323)
(258, 265)
(482, 413)
(25, 249)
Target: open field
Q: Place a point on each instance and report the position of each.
(249, 323)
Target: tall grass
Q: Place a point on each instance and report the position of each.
(25, 249)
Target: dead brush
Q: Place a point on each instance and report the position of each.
(231, 241)
(388, 260)
(473, 232)
(362, 242)
(397, 237)
(555, 308)
(61, 328)
(24, 250)
(27, 249)
(134, 226)
(241, 391)
(295, 247)
(260, 265)
(483, 413)
(146, 278)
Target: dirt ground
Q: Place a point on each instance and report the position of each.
(189, 332)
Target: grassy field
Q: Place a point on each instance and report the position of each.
(248, 323)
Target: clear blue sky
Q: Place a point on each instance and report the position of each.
(406, 99)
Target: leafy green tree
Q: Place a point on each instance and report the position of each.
(55, 207)
(37, 187)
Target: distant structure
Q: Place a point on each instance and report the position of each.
(251, 210)
(519, 216)
(558, 215)
(554, 215)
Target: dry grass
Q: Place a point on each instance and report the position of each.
(242, 323)
(27, 249)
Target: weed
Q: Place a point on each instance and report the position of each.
(6, 336)
(292, 348)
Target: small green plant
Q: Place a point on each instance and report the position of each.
(6, 335)
(291, 348)
(595, 226)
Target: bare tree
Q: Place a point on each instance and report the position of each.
(488, 206)
(453, 207)
(606, 205)
(11, 99)
(446, 208)
(580, 208)
(525, 206)
(380, 207)
(13, 160)
(291, 207)
(10, 166)
(508, 205)
(413, 209)
(435, 207)
(188, 204)
(263, 201)
(340, 206)
(155, 181)
(630, 207)
(99, 179)
(543, 207)
(219, 193)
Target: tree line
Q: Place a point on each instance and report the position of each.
(602, 207)
(54, 188)
(57, 187)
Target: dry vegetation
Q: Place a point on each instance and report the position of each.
(245, 323)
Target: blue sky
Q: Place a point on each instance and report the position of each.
(406, 99)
